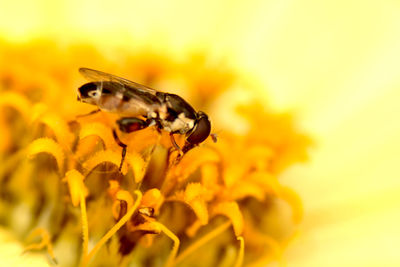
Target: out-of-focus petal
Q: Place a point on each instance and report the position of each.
(47, 145)
(232, 211)
(16, 101)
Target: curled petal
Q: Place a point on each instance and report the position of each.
(152, 199)
(97, 129)
(233, 174)
(257, 184)
(59, 127)
(125, 196)
(196, 191)
(119, 195)
(37, 111)
(294, 200)
(138, 165)
(151, 227)
(259, 156)
(76, 186)
(105, 156)
(113, 188)
(246, 189)
(5, 140)
(200, 209)
(195, 195)
(47, 145)
(265, 180)
(210, 176)
(16, 101)
(192, 230)
(192, 160)
(232, 211)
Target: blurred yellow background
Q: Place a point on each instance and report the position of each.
(334, 63)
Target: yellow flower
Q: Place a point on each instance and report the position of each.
(59, 172)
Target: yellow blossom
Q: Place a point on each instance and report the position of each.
(157, 209)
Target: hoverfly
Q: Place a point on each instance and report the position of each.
(140, 106)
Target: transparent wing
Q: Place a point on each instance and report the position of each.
(98, 76)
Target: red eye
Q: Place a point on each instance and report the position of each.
(201, 130)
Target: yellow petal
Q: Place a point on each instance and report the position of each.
(105, 156)
(234, 173)
(196, 191)
(245, 189)
(146, 226)
(259, 156)
(16, 101)
(195, 196)
(59, 127)
(5, 138)
(265, 180)
(76, 186)
(294, 200)
(138, 165)
(99, 130)
(37, 111)
(209, 176)
(153, 199)
(47, 145)
(125, 196)
(232, 211)
(200, 209)
(192, 160)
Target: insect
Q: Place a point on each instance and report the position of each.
(140, 106)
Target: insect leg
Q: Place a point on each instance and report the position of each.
(129, 125)
(90, 113)
(123, 148)
(177, 147)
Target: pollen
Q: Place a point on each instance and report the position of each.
(220, 203)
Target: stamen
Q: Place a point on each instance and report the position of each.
(202, 241)
(239, 260)
(85, 227)
(175, 239)
(114, 229)
(45, 242)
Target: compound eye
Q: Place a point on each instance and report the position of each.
(201, 131)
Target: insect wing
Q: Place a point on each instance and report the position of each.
(98, 76)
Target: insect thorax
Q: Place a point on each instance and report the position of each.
(180, 124)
